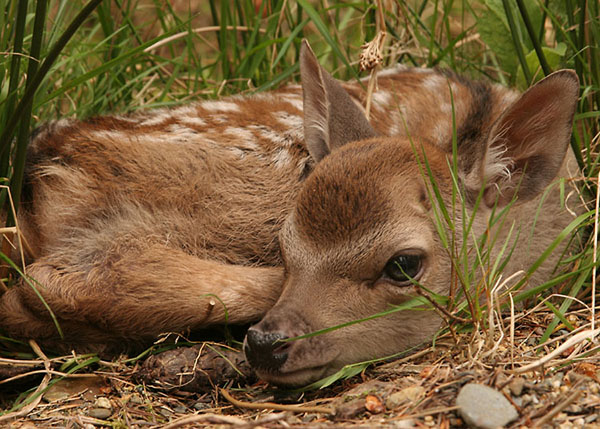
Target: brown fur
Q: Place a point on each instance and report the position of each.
(169, 220)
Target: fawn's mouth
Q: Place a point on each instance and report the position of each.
(296, 378)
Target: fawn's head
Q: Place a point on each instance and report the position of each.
(362, 231)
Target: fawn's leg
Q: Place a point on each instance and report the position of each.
(129, 299)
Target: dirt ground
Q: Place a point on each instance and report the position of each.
(556, 385)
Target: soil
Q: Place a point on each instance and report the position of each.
(208, 385)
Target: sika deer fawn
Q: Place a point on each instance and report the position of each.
(236, 210)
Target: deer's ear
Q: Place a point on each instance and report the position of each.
(331, 119)
(527, 145)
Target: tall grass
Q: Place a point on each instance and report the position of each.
(80, 59)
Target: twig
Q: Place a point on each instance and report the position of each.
(197, 30)
(512, 331)
(37, 395)
(559, 407)
(296, 408)
(45, 371)
(270, 418)
(428, 412)
(595, 255)
(440, 308)
(208, 418)
(582, 336)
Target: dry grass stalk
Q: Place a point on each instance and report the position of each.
(273, 406)
(37, 395)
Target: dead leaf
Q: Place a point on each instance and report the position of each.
(373, 404)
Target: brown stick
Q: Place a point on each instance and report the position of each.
(273, 406)
(559, 407)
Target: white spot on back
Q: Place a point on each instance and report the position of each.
(433, 83)
(382, 98)
(157, 118)
(440, 133)
(128, 119)
(220, 119)
(179, 134)
(290, 121)
(246, 138)
(294, 99)
(110, 135)
(271, 135)
(192, 121)
(282, 158)
(220, 106)
(189, 110)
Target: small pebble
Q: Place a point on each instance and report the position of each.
(180, 409)
(199, 406)
(404, 424)
(455, 421)
(573, 319)
(308, 418)
(410, 394)
(136, 399)
(165, 412)
(516, 386)
(484, 407)
(103, 402)
(527, 399)
(100, 413)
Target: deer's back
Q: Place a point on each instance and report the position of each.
(216, 178)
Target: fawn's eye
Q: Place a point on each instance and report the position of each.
(402, 268)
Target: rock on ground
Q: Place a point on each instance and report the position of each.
(484, 407)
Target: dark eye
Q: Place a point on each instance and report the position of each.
(402, 268)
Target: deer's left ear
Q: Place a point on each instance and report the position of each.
(527, 145)
(331, 119)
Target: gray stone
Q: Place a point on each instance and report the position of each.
(88, 387)
(484, 407)
(199, 406)
(103, 402)
(408, 395)
(100, 413)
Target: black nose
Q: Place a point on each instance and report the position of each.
(265, 350)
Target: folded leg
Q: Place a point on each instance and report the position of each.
(132, 295)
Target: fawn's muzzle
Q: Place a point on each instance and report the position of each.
(265, 350)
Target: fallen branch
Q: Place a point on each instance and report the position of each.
(296, 408)
(207, 418)
(576, 339)
(220, 419)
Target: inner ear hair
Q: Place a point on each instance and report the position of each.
(527, 145)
